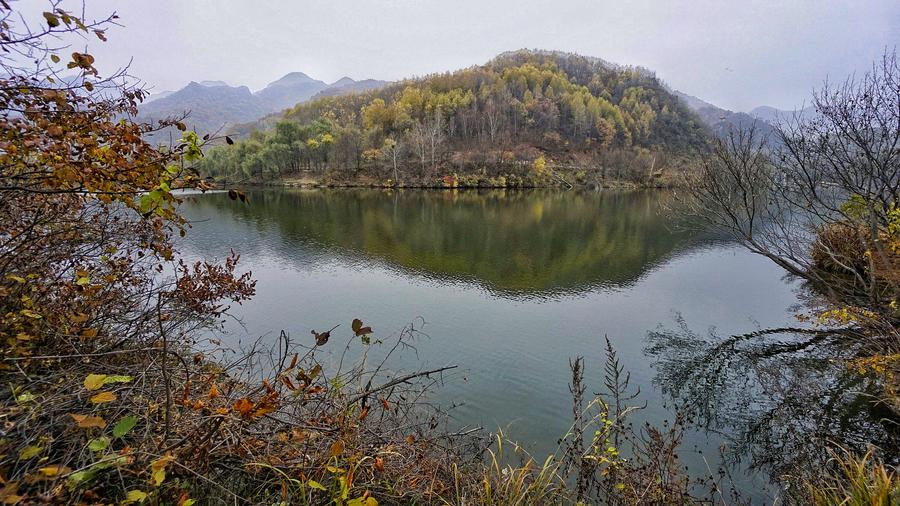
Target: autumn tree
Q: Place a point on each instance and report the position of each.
(88, 210)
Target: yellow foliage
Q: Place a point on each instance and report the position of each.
(103, 397)
(371, 155)
(879, 364)
(845, 315)
(539, 167)
(51, 471)
(158, 469)
(30, 452)
(94, 381)
(133, 496)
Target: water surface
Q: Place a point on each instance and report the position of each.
(512, 285)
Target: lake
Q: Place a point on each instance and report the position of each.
(510, 285)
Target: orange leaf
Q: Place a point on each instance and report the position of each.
(243, 406)
(288, 383)
(186, 393)
(8, 493)
(379, 464)
(364, 413)
(266, 405)
(214, 391)
(158, 469)
(88, 421)
(184, 498)
(337, 448)
(78, 317)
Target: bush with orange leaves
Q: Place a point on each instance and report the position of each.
(107, 398)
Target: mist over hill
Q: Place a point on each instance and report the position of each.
(773, 115)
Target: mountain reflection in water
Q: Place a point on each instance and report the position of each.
(511, 284)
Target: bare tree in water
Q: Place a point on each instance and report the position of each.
(819, 197)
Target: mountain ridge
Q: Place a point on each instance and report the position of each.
(209, 113)
(215, 106)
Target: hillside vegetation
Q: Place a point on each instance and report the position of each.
(525, 118)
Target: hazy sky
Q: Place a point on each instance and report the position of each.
(736, 54)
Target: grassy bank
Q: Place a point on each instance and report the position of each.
(167, 423)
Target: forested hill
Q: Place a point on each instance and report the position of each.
(518, 116)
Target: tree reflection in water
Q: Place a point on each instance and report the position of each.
(779, 397)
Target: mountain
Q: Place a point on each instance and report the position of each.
(562, 98)
(158, 95)
(215, 106)
(693, 103)
(722, 121)
(211, 107)
(507, 122)
(764, 117)
(344, 81)
(213, 84)
(773, 115)
(347, 85)
(289, 90)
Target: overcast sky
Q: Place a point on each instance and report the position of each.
(735, 54)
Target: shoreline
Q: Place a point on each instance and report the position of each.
(287, 183)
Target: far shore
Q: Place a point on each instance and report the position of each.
(441, 184)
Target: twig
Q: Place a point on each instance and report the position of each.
(164, 369)
(397, 381)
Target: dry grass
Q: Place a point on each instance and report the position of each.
(855, 481)
(303, 435)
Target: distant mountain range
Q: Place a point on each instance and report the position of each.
(721, 121)
(215, 106)
(773, 115)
